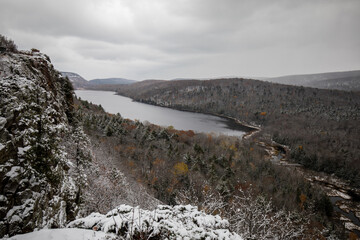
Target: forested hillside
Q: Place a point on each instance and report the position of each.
(219, 174)
(320, 126)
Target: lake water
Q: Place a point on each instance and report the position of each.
(160, 115)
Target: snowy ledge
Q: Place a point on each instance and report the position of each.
(165, 222)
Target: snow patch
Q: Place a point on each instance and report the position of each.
(64, 233)
(14, 172)
(2, 122)
(23, 150)
(15, 219)
(2, 198)
(338, 193)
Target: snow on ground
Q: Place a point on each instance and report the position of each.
(64, 234)
(165, 222)
(350, 226)
(337, 193)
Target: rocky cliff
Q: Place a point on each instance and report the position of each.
(36, 115)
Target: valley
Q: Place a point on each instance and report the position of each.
(334, 187)
(68, 163)
(178, 96)
(319, 126)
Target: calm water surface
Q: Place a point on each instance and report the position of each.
(159, 115)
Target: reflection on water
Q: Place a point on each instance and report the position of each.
(159, 115)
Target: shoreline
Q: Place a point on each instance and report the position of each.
(232, 123)
(248, 129)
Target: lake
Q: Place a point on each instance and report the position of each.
(162, 116)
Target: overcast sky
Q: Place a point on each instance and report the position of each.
(165, 39)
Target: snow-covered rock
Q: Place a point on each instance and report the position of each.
(165, 222)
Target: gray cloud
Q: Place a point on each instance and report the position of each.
(141, 39)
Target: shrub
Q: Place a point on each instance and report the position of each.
(7, 45)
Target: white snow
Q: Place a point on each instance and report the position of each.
(337, 193)
(64, 234)
(23, 150)
(2, 122)
(14, 172)
(2, 198)
(351, 226)
(15, 218)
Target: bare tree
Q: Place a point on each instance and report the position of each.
(254, 218)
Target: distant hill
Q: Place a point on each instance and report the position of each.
(77, 80)
(348, 81)
(223, 77)
(111, 81)
(109, 84)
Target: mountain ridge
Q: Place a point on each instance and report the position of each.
(112, 81)
(343, 80)
(79, 82)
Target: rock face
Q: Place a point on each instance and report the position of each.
(35, 111)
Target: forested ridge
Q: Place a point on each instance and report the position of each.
(346, 80)
(321, 127)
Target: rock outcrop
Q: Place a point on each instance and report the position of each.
(36, 112)
(164, 222)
